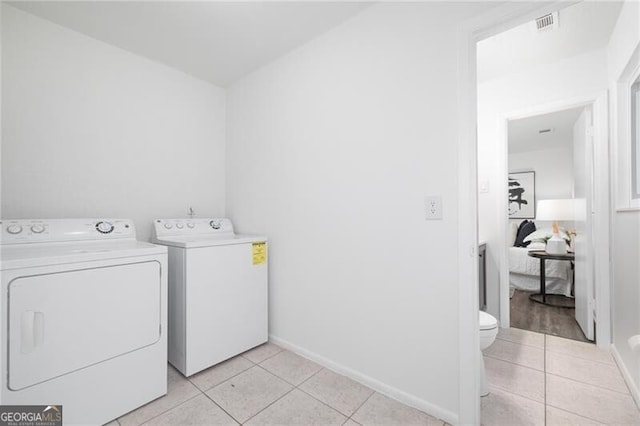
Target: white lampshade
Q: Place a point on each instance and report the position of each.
(555, 210)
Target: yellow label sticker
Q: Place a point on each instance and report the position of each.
(259, 253)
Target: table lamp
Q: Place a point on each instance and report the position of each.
(555, 210)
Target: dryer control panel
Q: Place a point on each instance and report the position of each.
(193, 226)
(21, 231)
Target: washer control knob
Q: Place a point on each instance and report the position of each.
(37, 229)
(215, 224)
(190, 225)
(104, 227)
(168, 225)
(179, 225)
(14, 229)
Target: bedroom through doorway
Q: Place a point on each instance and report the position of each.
(550, 181)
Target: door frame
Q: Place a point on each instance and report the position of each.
(468, 34)
(600, 205)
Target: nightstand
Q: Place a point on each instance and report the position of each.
(557, 300)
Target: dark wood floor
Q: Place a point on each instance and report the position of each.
(529, 315)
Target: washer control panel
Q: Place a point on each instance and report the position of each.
(192, 226)
(20, 231)
(105, 227)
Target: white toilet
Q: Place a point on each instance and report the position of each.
(488, 333)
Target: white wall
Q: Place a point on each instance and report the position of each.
(626, 224)
(1, 106)
(331, 152)
(90, 130)
(553, 167)
(573, 77)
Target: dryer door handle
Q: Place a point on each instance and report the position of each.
(32, 331)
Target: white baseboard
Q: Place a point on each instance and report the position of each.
(391, 392)
(633, 388)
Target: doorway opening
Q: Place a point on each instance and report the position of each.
(535, 90)
(528, 88)
(550, 180)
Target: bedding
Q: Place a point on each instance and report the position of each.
(524, 272)
(531, 283)
(542, 235)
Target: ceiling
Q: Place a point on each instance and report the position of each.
(524, 133)
(583, 27)
(219, 42)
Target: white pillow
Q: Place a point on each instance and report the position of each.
(542, 235)
(537, 245)
(514, 232)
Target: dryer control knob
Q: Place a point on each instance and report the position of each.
(37, 229)
(179, 225)
(168, 225)
(190, 225)
(104, 227)
(14, 229)
(215, 224)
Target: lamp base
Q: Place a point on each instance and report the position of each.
(556, 245)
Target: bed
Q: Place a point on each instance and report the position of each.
(524, 270)
(524, 273)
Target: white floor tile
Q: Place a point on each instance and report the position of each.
(248, 393)
(525, 355)
(195, 412)
(295, 409)
(577, 349)
(580, 383)
(558, 417)
(179, 389)
(337, 391)
(590, 401)
(262, 352)
(291, 367)
(501, 408)
(516, 379)
(524, 337)
(380, 410)
(217, 374)
(594, 373)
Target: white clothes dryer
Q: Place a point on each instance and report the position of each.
(84, 317)
(217, 291)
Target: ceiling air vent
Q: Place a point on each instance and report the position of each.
(547, 22)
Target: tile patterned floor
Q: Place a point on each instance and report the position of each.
(271, 386)
(537, 379)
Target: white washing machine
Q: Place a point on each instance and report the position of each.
(217, 291)
(84, 317)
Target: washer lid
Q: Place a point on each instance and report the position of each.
(487, 322)
(193, 241)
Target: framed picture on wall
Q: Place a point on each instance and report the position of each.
(522, 195)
